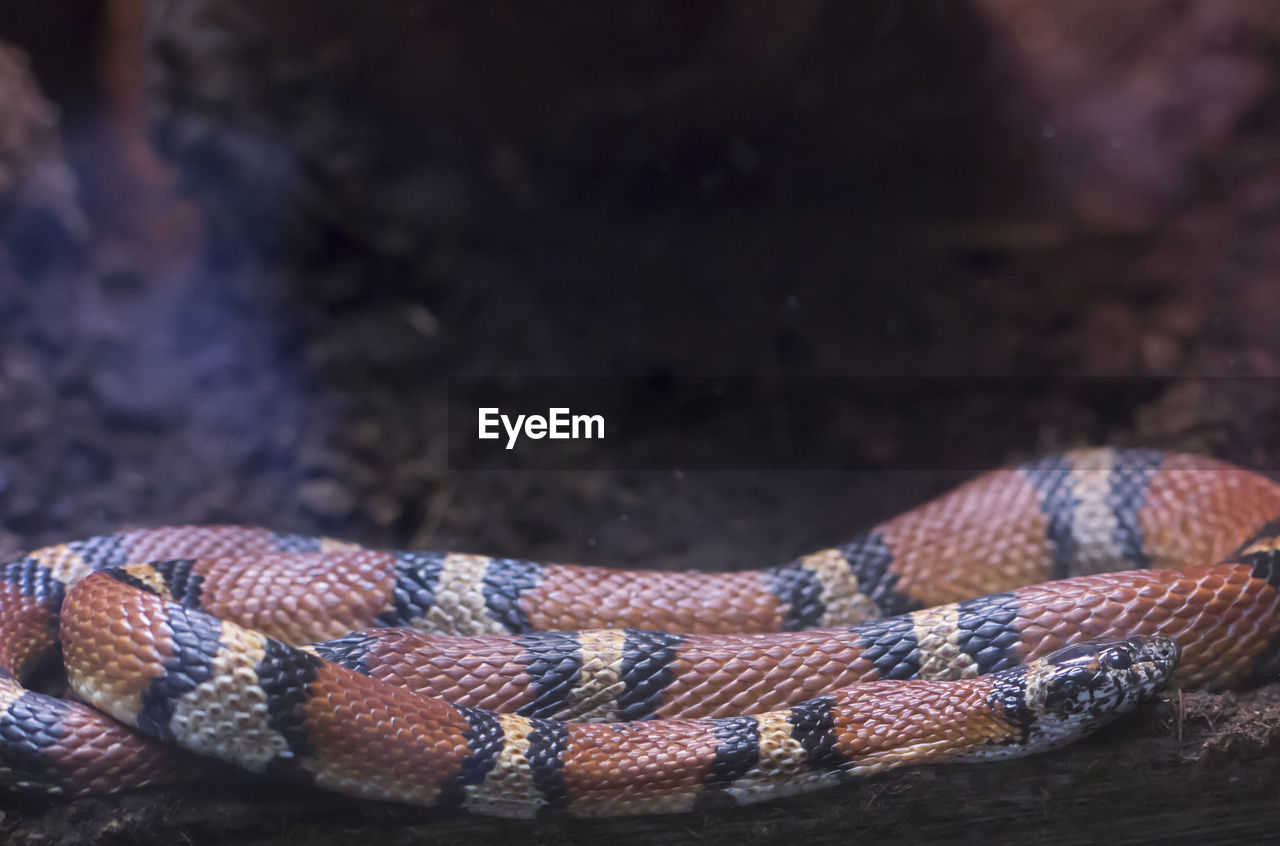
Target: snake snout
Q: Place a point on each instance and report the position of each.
(1158, 654)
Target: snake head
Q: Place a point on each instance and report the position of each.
(1073, 691)
(1111, 676)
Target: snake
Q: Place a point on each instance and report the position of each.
(1006, 617)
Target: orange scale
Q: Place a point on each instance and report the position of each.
(810, 658)
(1213, 582)
(1187, 611)
(1060, 606)
(1152, 590)
(1076, 615)
(1122, 593)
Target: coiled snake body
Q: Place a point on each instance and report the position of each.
(735, 686)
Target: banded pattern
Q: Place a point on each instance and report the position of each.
(744, 642)
(1073, 514)
(234, 694)
(582, 675)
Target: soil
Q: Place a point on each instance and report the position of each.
(246, 311)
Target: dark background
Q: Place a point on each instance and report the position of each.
(244, 243)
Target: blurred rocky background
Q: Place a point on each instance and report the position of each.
(244, 242)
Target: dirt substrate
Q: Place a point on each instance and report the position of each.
(906, 189)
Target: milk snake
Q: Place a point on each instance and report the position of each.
(850, 660)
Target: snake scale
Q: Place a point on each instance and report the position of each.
(1009, 616)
